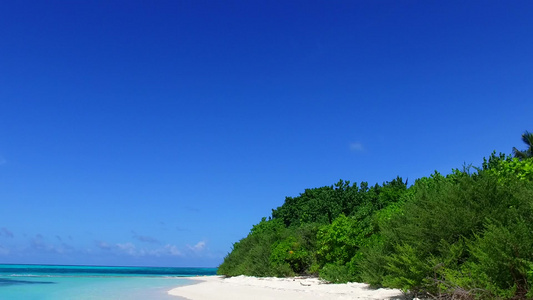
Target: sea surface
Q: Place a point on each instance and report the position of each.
(44, 282)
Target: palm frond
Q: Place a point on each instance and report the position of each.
(519, 154)
(527, 138)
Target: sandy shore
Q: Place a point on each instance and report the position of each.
(243, 287)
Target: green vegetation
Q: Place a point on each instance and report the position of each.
(466, 235)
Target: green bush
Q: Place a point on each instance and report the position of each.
(372, 266)
(338, 242)
(336, 273)
(506, 168)
(290, 252)
(465, 234)
(251, 255)
(407, 270)
(500, 262)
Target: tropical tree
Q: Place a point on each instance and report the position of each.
(527, 138)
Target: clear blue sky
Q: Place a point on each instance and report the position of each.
(158, 132)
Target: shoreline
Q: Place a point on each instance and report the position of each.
(266, 288)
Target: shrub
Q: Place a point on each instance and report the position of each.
(251, 255)
(291, 253)
(372, 266)
(336, 273)
(464, 233)
(338, 242)
(500, 263)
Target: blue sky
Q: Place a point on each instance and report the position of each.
(158, 132)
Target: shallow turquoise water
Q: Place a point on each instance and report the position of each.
(84, 283)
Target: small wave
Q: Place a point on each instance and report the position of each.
(6, 282)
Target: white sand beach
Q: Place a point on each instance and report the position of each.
(244, 287)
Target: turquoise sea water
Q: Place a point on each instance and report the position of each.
(41, 282)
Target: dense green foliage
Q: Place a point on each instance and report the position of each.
(466, 235)
(322, 227)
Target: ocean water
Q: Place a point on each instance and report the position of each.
(43, 282)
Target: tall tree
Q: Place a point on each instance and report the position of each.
(527, 138)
